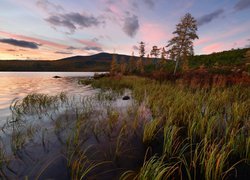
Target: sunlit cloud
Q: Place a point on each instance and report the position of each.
(63, 52)
(63, 28)
(213, 48)
(152, 32)
(36, 40)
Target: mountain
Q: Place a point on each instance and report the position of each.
(97, 62)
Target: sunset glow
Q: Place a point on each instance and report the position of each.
(54, 29)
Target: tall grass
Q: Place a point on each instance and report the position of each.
(166, 132)
(205, 132)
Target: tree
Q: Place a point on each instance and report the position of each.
(163, 58)
(163, 53)
(132, 63)
(113, 67)
(139, 66)
(142, 51)
(123, 65)
(181, 46)
(155, 51)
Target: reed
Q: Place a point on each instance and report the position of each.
(191, 133)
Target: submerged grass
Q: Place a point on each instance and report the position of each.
(166, 132)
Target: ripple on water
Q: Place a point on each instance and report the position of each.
(17, 85)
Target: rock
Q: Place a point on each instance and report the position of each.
(126, 98)
(56, 77)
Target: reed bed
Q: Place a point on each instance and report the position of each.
(165, 132)
(203, 133)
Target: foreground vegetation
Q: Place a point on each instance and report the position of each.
(193, 134)
(166, 131)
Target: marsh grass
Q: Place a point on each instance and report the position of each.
(204, 133)
(166, 132)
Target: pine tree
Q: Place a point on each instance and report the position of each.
(155, 51)
(163, 53)
(142, 51)
(113, 67)
(163, 58)
(181, 46)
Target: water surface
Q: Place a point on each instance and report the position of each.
(16, 85)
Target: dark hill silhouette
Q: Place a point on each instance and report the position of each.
(101, 62)
(97, 62)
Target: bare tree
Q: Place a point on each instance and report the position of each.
(181, 46)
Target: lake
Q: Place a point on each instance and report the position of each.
(16, 85)
(36, 138)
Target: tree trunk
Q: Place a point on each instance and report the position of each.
(176, 65)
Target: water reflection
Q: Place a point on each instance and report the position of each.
(16, 85)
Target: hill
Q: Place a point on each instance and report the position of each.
(97, 62)
(101, 62)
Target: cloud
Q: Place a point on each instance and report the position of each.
(62, 52)
(131, 25)
(242, 5)
(135, 48)
(149, 3)
(216, 47)
(71, 48)
(151, 31)
(89, 43)
(32, 39)
(93, 48)
(209, 17)
(11, 50)
(20, 43)
(48, 6)
(73, 20)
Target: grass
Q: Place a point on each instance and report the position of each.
(194, 127)
(166, 132)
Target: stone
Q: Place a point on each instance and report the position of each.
(126, 98)
(56, 77)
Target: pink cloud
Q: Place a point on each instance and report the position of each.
(151, 32)
(114, 9)
(88, 43)
(202, 41)
(39, 41)
(216, 47)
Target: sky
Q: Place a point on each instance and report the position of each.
(54, 29)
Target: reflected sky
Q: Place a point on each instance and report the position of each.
(16, 85)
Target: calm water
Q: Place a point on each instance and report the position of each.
(16, 85)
